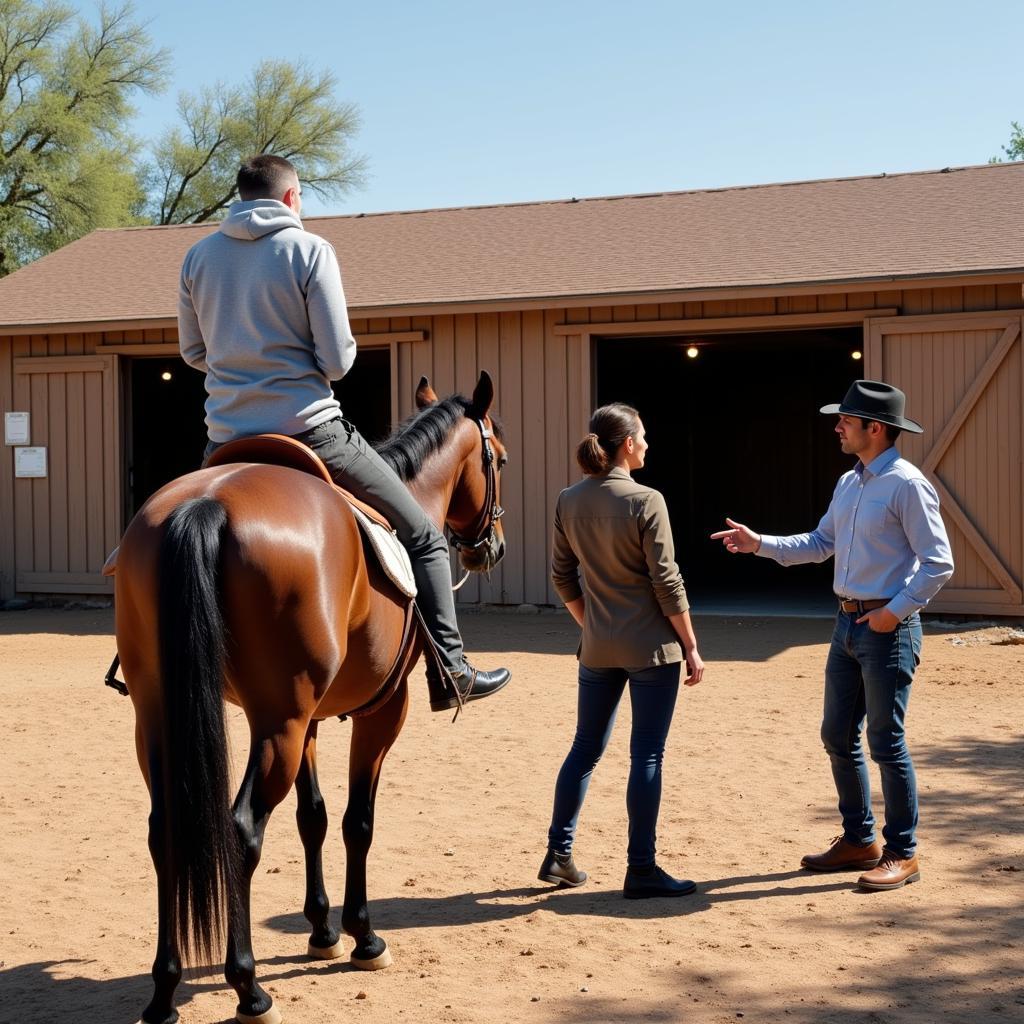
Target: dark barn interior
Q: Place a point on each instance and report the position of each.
(167, 432)
(735, 431)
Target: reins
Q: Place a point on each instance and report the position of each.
(491, 511)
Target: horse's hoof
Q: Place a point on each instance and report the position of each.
(377, 963)
(271, 1016)
(327, 952)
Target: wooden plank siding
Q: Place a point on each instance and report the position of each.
(543, 371)
(63, 524)
(967, 375)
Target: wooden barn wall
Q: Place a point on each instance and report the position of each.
(968, 374)
(543, 381)
(57, 531)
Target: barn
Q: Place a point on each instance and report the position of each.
(726, 316)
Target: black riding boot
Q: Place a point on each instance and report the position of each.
(473, 684)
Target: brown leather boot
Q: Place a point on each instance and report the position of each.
(892, 873)
(844, 856)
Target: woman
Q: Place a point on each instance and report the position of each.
(636, 627)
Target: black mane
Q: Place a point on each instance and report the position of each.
(422, 434)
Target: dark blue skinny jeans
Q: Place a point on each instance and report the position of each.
(652, 695)
(867, 678)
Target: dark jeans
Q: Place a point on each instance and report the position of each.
(867, 678)
(358, 468)
(652, 694)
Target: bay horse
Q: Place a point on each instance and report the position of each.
(248, 582)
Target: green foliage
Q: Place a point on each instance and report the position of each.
(1015, 150)
(285, 109)
(65, 155)
(68, 163)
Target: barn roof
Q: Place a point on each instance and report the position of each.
(930, 224)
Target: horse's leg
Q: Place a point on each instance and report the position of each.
(167, 963)
(273, 765)
(372, 738)
(311, 815)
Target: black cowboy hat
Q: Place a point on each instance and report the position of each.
(873, 400)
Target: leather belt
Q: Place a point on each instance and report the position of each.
(852, 605)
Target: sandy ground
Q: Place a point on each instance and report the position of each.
(462, 816)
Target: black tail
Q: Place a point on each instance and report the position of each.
(202, 846)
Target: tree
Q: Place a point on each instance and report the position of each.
(1015, 150)
(66, 159)
(68, 163)
(285, 109)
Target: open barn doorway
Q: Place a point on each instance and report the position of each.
(365, 394)
(735, 431)
(166, 433)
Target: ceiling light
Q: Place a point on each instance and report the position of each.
(166, 375)
(693, 351)
(856, 354)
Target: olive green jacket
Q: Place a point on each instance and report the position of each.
(618, 533)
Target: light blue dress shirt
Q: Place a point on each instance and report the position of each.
(884, 528)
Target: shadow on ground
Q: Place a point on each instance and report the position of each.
(496, 905)
(48, 991)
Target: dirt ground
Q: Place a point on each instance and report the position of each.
(461, 823)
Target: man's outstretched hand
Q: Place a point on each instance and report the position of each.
(738, 540)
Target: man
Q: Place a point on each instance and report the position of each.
(891, 558)
(262, 313)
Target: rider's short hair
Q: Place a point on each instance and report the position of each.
(265, 177)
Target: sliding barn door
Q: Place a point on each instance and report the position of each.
(964, 379)
(66, 522)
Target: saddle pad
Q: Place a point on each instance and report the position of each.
(279, 450)
(393, 557)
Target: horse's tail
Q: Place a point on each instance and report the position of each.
(202, 849)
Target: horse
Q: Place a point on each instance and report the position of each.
(249, 582)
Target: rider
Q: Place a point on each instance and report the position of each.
(262, 313)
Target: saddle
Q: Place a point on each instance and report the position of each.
(280, 450)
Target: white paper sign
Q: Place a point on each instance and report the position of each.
(16, 428)
(30, 462)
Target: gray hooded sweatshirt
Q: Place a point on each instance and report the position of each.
(262, 312)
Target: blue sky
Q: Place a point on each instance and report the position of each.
(469, 103)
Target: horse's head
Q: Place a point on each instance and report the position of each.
(474, 511)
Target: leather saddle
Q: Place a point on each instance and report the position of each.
(280, 450)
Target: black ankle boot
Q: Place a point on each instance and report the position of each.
(473, 684)
(643, 883)
(559, 869)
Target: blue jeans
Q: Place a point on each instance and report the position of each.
(652, 694)
(868, 677)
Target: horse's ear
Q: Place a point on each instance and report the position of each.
(424, 394)
(483, 395)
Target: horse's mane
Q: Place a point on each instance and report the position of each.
(425, 432)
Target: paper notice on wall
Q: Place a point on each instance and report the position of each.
(16, 428)
(30, 462)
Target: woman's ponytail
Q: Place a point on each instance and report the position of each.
(591, 456)
(609, 427)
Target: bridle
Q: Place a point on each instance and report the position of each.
(491, 511)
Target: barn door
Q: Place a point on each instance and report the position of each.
(964, 379)
(66, 522)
